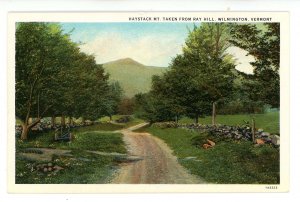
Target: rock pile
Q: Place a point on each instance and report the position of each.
(45, 126)
(234, 132)
(48, 167)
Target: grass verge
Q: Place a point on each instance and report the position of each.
(76, 170)
(79, 168)
(88, 139)
(229, 162)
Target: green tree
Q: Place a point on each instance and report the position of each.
(40, 57)
(263, 43)
(126, 106)
(54, 78)
(206, 50)
(114, 98)
(202, 75)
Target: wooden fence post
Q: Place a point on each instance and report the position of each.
(253, 130)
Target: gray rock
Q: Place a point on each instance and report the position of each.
(228, 135)
(57, 168)
(260, 130)
(267, 139)
(275, 140)
(248, 135)
(50, 164)
(238, 136)
(265, 134)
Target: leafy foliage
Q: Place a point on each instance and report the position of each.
(54, 78)
(199, 77)
(264, 45)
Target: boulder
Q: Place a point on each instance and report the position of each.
(57, 168)
(267, 139)
(265, 134)
(260, 141)
(275, 140)
(211, 142)
(238, 136)
(260, 130)
(206, 146)
(248, 135)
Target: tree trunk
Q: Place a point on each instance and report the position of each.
(197, 118)
(25, 130)
(110, 117)
(176, 119)
(53, 121)
(26, 127)
(213, 121)
(63, 121)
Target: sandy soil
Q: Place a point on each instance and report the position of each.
(158, 165)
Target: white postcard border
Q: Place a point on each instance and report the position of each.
(282, 17)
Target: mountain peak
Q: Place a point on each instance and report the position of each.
(127, 61)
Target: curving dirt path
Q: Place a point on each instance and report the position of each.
(158, 165)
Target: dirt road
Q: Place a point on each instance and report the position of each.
(158, 165)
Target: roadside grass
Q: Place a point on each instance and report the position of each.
(80, 168)
(229, 162)
(107, 119)
(267, 121)
(76, 170)
(86, 138)
(101, 127)
(96, 141)
(133, 121)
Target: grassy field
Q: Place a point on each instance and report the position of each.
(82, 167)
(132, 122)
(268, 121)
(229, 162)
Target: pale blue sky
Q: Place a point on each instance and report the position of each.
(152, 44)
(149, 43)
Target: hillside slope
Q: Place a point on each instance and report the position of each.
(133, 76)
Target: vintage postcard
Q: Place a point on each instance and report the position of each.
(148, 102)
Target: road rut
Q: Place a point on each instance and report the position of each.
(158, 165)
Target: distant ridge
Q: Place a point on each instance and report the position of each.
(133, 76)
(126, 61)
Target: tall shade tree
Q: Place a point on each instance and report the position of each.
(40, 57)
(54, 78)
(114, 99)
(263, 43)
(206, 50)
(202, 75)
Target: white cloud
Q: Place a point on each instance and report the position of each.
(242, 59)
(152, 50)
(149, 50)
